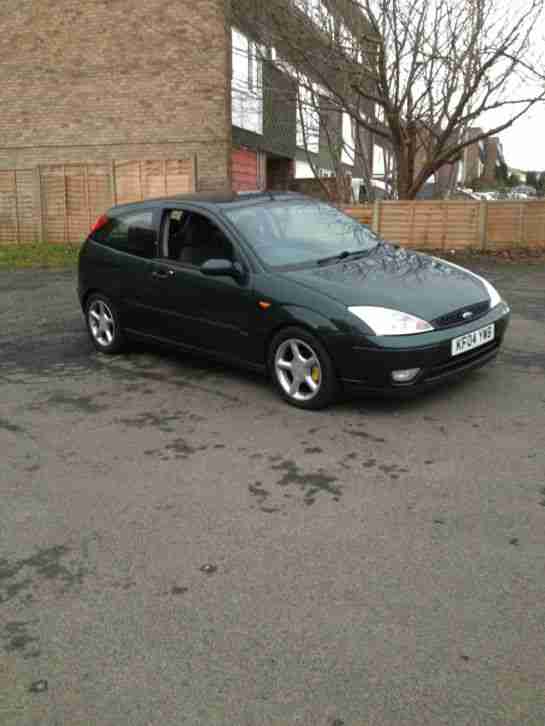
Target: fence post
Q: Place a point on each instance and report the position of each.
(39, 201)
(483, 223)
(16, 199)
(375, 224)
(411, 225)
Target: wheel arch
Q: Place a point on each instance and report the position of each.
(87, 295)
(305, 319)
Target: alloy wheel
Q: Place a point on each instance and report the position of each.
(298, 369)
(101, 323)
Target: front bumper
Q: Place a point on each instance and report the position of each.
(367, 363)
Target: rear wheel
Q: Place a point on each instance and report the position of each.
(103, 324)
(302, 370)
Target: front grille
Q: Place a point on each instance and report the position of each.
(466, 359)
(456, 318)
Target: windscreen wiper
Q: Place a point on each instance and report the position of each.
(342, 256)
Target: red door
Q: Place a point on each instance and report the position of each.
(246, 175)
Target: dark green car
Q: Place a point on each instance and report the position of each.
(289, 286)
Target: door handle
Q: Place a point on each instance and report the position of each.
(162, 274)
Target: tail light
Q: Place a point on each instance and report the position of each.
(101, 221)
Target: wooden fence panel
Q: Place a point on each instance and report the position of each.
(363, 213)
(27, 209)
(180, 176)
(99, 189)
(534, 232)
(516, 224)
(505, 224)
(8, 207)
(394, 221)
(74, 195)
(17, 207)
(447, 225)
(461, 224)
(53, 192)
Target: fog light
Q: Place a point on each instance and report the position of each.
(405, 376)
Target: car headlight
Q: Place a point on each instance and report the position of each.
(384, 321)
(493, 294)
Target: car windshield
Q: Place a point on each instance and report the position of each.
(293, 233)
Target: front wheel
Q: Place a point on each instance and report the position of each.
(103, 324)
(302, 370)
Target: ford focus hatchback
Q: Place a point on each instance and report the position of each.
(288, 286)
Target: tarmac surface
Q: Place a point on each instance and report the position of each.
(179, 546)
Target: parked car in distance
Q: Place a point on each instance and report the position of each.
(288, 286)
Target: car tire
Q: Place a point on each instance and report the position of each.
(103, 324)
(301, 369)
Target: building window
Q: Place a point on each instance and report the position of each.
(347, 42)
(303, 170)
(247, 84)
(348, 153)
(309, 7)
(378, 160)
(319, 13)
(308, 120)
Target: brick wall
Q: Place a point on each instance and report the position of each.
(93, 80)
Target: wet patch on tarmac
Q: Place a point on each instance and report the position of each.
(180, 448)
(310, 483)
(148, 419)
(393, 470)
(6, 425)
(163, 420)
(27, 575)
(362, 434)
(258, 492)
(178, 590)
(17, 637)
(81, 404)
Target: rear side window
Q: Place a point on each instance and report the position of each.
(133, 233)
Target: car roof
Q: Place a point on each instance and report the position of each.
(211, 200)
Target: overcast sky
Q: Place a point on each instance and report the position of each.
(524, 143)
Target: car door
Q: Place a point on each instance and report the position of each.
(140, 311)
(128, 239)
(213, 314)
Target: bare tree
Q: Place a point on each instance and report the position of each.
(416, 74)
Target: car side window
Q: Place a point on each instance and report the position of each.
(193, 239)
(133, 233)
(173, 233)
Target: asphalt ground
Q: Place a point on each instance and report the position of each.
(179, 546)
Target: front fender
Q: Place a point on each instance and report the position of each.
(318, 323)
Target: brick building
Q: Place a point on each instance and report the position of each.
(93, 80)
(97, 81)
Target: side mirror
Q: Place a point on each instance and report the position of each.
(223, 268)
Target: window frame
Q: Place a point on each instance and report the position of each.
(121, 215)
(239, 255)
(308, 118)
(247, 88)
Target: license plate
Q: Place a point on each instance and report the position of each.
(472, 340)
